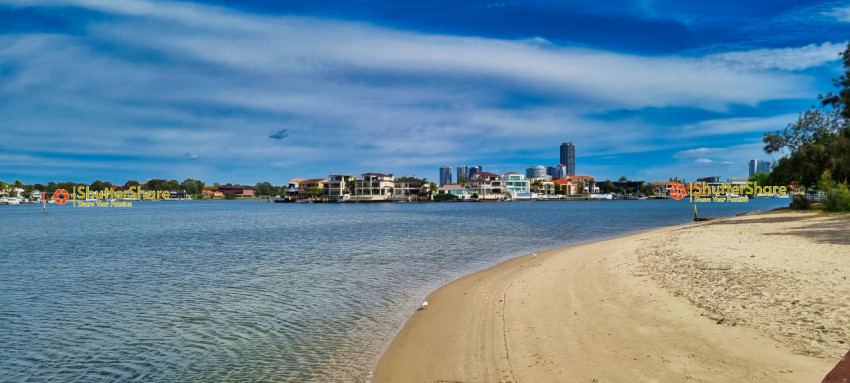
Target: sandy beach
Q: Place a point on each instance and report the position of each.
(754, 298)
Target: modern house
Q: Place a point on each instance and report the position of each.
(517, 185)
(487, 185)
(337, 186)
(663, 188)
(374, 186)
(457, 190)
(409, 188)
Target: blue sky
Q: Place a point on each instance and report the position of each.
(254, 91)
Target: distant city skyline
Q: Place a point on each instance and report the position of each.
(237, 92)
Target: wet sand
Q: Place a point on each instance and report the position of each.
(752, 298)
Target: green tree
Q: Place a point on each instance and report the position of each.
(97, 185)
(229, 195)
(648, 189)
(314, 192)
(762, 179)
(462, 180)
(432, 188)
(536, 185)
(264, 189)
(445, 197)
(352, 185)
(192, 186)
(840, 101)
(819, 142)
(580, 187)
(131, 183)
(837, 194)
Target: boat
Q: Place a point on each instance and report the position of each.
(10, 201)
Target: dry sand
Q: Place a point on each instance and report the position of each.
(754, 298)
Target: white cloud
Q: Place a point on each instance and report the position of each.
(840, 13)
(696, 152)
(350, 95)
(790, 59)
(737, 125)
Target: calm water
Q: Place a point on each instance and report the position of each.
(243, 291)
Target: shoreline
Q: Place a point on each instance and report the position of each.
(576, 312)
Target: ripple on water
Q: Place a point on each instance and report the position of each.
(244, 292)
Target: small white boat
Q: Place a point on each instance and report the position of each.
(10, 201)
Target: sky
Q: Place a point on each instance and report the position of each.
(259, 90)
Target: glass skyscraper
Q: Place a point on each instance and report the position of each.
(568, 157)
(445, 175)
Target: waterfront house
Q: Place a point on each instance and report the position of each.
(517, 185)
(457, 190)
(409, 188)
(663, 188)
(239, 190)
(586, 181)
(305, 186)
(374, 186)
(291, 191)
(487, 185)
(337, 186)
(178, 194)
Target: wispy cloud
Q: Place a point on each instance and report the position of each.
(175, 75)
(790, 59)
(841, 14)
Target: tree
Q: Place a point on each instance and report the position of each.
(840, 102)
(192, 186)
(97, 185)
(131, 183)
(432, 188)
(624, 179)
(314, 192)
(229, 195)
(818, 144)
(264, 189)
(609, 186)
(648, 189)
(445, 197)
(536, 185)
(462, 180)
(591, 184)
(762, 179)
(351, 185)
(580, 187)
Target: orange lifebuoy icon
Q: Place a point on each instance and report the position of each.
(678, 191)
(60, 196)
